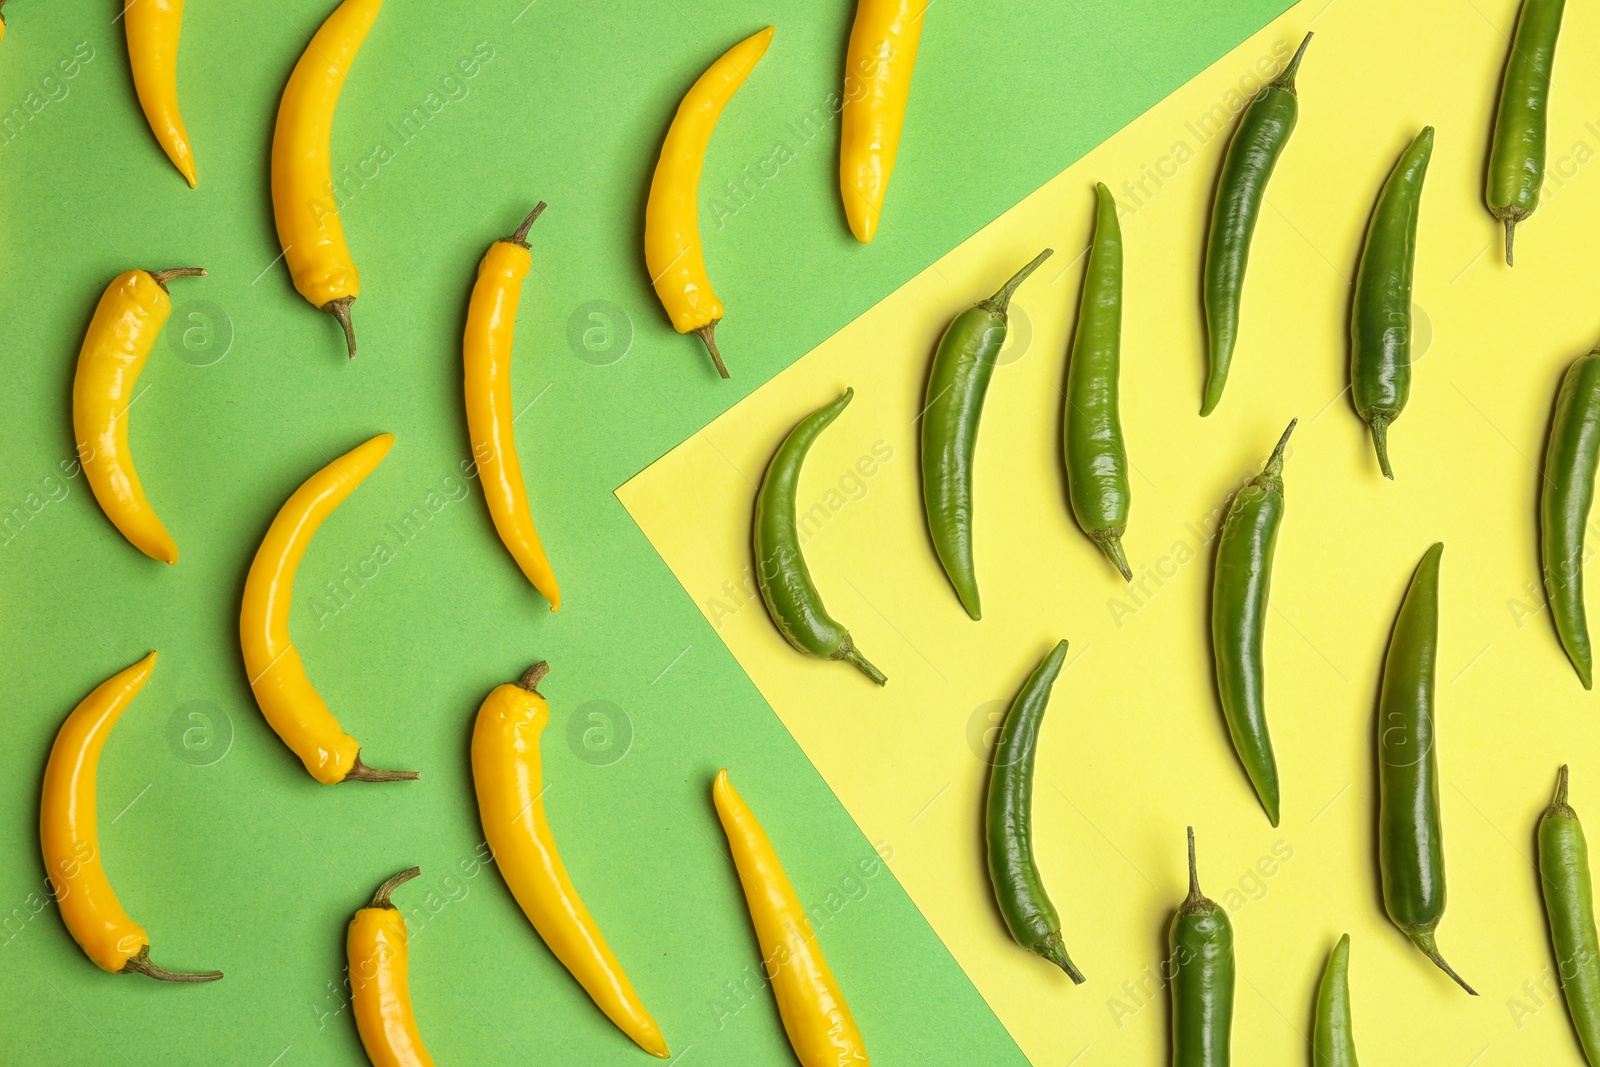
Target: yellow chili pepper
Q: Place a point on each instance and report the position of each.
(486, 358)
(877, 81)
(506, 773)
(303, 198)
(672, 250)
(379, 990)
(291, 705)
(69, 835)
(124, 329)
(153, 27)
(814, 1013)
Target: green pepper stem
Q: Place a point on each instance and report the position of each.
(1561, 788)
(1380, 442)
(1110, 542)
(999, 302)
(1054, 949)
(1194, 874)
(1511, 236)
(1275, 461)
(850, 654)
(1286, 79)
(1423, 939)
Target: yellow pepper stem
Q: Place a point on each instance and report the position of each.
(139, 963)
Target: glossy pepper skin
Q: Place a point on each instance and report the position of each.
(1569, 906)
(288, 700)
(1516, 152)
(1566, 493)
(508, 778)
(1380, 316)
(1332, 1042)
(377, 948)
(821, 1029)
(1240, 590)
(153, 27)
(1096, 458)
(1247, 167)
(69, 835)
(303, 202)
(486, 372)
(1008, 823)
(125, 326)
(781, 572)
(957, 385)
(877, 83)
(672, 250)
(1410, 828)
(1200, 957)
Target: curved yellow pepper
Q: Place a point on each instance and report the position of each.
(126, 323)
(672, 250)
(69, 834)
(288, 701)
(877, 81)
(486, 360)
(303, 200)
(814, 1013)
(376, 945)
(153, 27)
(506, 774)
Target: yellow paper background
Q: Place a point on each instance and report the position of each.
(1134, 748)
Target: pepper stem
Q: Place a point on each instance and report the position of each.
(1511, 236)
(533, 676)
(999, 302)
(850, 654)
(1054, 949)
(1380, 442)
(360, 772)
(1275, 461)
(140, 963)
(1110, 542)
(340, 309)
(520, 238)
(1423, 939)
(380, 899)
(1286, 79)
(1561, 788)
(708, 335)
(161, 276)
(1194, 875)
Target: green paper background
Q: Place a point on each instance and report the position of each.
(216, 839)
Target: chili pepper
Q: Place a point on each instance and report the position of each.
(1380, 319)
(877, 82)
(1516, 154)
(69, 834)
(126, 323)
(1252, 155)
(379, 989)
(781, 572)
(1008, 824)
(1410, 834)
(1569, 904)
(1240, 590)
(153, 27)
(506, 774)
(815, 1016)
(291, 705)
(1200, 947)
(486, 358)
(1096, 459)
(957, 384)
(303, 196)
(1333, 1044)
(672, 250)
(1565, 496)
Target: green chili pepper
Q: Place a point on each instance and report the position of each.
(1569, 903)
(1380, 317)
(1008, 826)
(1239, 595)
(1332, 1043)
(962, 367)
(781, 572)
(1516, 156)
(1097, 462)
(1410, 834)
(1201, 947)
(1565, 495)
(1263, 131)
